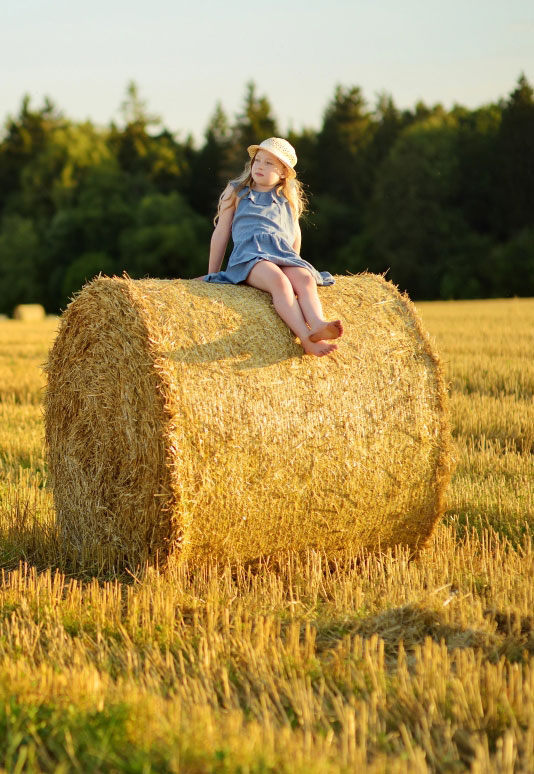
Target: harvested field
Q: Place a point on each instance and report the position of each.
(311, 665)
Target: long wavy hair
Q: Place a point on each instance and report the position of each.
(289, 186)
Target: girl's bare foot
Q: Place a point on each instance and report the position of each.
(318, 348)
(329, 330)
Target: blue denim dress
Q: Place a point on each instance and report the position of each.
(263, 230)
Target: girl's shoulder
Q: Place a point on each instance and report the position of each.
(237, 192)
(228, 198)
(230, 191)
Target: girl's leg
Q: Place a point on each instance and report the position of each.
(305, 288)
(267, 276)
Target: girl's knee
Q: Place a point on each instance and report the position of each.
(267, 276)
(274, 275)
(301, 279)
(306, 279)
(280, 283)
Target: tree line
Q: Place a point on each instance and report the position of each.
(441, 200)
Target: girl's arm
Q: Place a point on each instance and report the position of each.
(298, 239)
(223, 229)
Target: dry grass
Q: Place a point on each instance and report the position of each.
(309, 664)
(487, 348)
(183, 418)
(306, 665)
(23, 351)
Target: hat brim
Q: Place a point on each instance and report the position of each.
(253, 149)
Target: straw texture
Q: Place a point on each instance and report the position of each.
(182, 418)
(29, 312)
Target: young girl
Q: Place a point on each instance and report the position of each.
(261, 209)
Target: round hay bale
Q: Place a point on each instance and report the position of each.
(182, 417)
(29, 312)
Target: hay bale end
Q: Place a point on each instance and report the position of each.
(29, 312)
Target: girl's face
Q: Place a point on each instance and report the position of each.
(266, 170)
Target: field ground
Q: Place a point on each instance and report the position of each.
(309, 665)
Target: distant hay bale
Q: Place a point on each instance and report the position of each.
(181, 417)
(29, 312)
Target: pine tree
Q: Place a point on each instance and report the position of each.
(516, 160)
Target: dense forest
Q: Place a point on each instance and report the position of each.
(441, 200)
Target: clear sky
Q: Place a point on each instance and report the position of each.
(187, 56)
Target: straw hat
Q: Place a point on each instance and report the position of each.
(280, 148)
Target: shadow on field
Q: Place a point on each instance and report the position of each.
(29, 535)
(409, 625)
(504, 633)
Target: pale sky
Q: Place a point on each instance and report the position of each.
(185, 57)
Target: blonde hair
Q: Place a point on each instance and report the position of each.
(288, 186)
